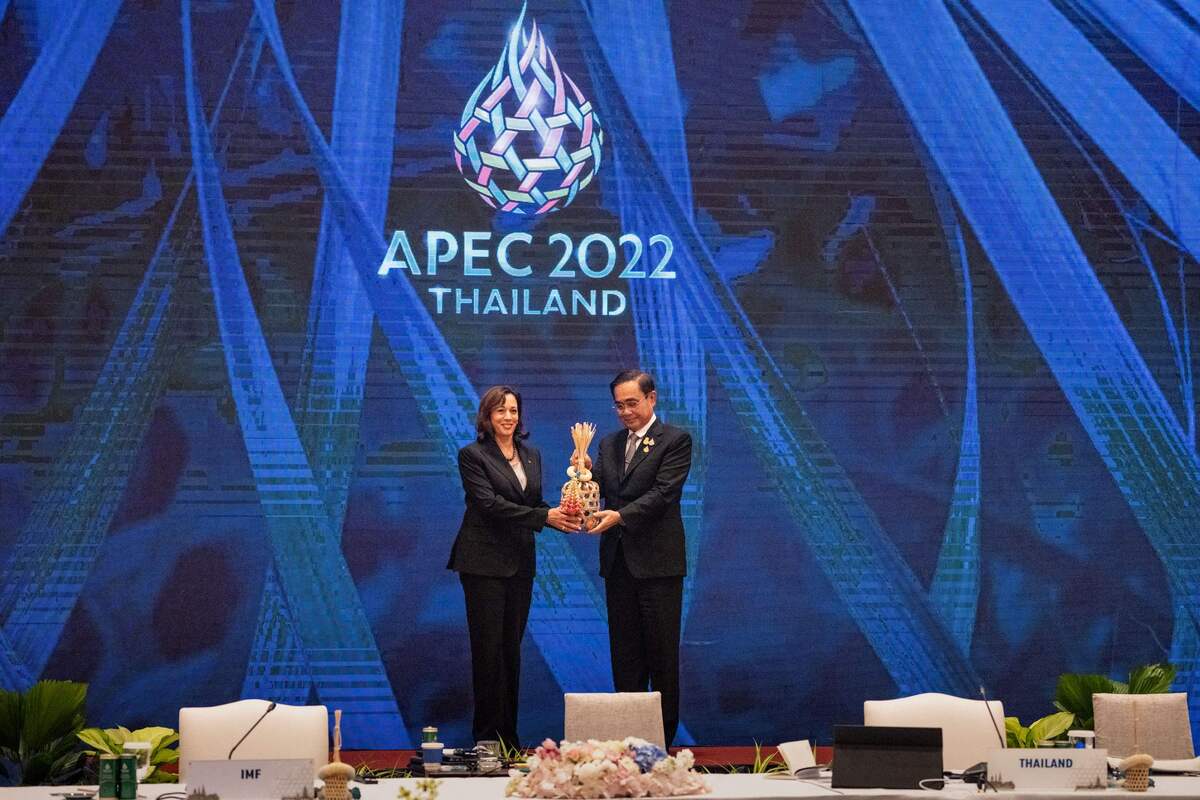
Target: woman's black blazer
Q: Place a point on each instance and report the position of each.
(496, 535)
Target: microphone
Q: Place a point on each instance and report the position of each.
(270, 708)
(978, 773)
(992, 717)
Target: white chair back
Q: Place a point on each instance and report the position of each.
(600, 715)
(968, 731)
(1157, 724)
(208, 733)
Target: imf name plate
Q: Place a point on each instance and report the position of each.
(1048, 768)
(252, 779)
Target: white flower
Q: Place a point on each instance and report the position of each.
(589, 771)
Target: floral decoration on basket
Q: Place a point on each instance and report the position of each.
(594, 769)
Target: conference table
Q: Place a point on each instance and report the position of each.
(724, 787)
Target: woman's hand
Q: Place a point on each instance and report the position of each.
(567, 523)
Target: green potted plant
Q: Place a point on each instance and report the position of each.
(1073, 699)
(38, 728)
(161, 741)
(1074, 691)
(1046, 729)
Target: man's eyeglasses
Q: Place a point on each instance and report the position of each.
(628, 405)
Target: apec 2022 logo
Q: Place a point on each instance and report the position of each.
(565, 143)
(527, 144)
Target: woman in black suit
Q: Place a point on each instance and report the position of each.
(494, 555)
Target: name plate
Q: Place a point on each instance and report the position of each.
(1048, 768)
(252, 779)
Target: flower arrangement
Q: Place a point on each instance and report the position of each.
(594, 769)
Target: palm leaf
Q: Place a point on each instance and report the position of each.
(10, 720)
(1151, 679)
(39, 730)
(35, 769)
(1074, 694)
(66, 768)
(49, 711)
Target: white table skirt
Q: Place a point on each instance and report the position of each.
(725, 787)
(761, 787)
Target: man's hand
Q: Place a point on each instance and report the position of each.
(567, 523)
(605, 520)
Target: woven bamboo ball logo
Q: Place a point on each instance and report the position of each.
(528, 141)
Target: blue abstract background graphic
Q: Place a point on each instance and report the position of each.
(930, 325)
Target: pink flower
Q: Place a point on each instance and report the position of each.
(595, 769)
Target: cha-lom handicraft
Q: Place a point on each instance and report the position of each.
(581, 494)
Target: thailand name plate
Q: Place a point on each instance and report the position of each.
(1048, 768)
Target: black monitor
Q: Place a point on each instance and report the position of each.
(885, 757)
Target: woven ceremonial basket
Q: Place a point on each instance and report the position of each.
(581, 494)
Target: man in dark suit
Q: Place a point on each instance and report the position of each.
(641, 470)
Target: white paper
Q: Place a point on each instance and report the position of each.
(798, 756)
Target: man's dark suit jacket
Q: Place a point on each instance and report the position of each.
(495, 538)
(647, 495)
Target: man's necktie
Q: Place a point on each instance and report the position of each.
(630, 449)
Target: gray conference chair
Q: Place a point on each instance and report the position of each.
(604, 716)
(1156, 724)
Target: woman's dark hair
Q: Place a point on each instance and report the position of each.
(492, 399)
